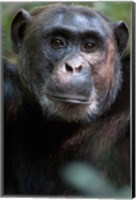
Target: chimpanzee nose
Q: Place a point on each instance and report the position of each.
(74, 64)
(73, 68)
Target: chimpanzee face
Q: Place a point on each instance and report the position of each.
(70, 60)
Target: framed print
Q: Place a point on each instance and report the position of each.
(67, 95)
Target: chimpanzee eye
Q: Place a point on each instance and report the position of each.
(89, 46)
(58, 43)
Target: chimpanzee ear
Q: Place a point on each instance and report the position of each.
(121, 35)
(18, 27)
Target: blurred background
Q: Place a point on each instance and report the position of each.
(80, 176)
(114, 10)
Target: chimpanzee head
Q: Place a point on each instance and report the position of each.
(69, 58)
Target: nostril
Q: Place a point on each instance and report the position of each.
(68, 68)
(78, 69)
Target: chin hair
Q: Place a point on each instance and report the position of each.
(69, 112)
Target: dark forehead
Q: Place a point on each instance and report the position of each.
(75, 17)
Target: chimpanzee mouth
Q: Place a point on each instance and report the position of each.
(69, 99)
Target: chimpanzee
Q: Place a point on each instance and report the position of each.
(67, 99)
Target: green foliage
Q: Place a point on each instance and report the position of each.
(91, 183)
(115, 10)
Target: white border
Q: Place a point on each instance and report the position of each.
(28, 1)
(66, 1)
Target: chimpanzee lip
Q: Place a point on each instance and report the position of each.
(69, 99)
